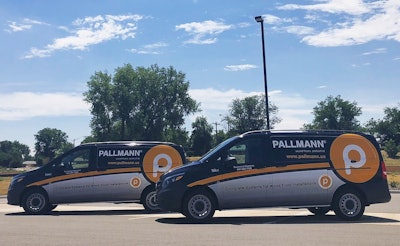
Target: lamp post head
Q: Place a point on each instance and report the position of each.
(259, 18)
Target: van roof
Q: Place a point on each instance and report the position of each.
(301, 132)
(129, 143)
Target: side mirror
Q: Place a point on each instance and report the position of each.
(58, 169)
(230, 161)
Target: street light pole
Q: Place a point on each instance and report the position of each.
(260, 20)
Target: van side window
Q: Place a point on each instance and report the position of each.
(78, 160)
(250, 152)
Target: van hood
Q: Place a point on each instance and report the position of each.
(184, 168)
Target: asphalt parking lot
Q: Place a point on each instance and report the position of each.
(127, 224)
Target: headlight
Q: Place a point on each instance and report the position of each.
(14, 181)
(172, 179)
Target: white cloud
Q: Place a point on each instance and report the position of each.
(364, 22)
(203, 32)
(91, 31)
(362, 65)
(376, 51)
(353, 7)
(152, 49)
(272, 19)
(294, 110)
(25, 105)
(244, 24)
(26, 24)
(241, 67)
(299, 30)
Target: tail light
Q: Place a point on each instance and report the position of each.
(384, 173)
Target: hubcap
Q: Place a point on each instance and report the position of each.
(199, 206)
(36, 202)
(350, 205)
(151, 200)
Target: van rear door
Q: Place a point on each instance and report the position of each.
(119, 175)
(303, 173)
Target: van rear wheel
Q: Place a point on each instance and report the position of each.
(149, 200)
(199, 206)
(349, 205)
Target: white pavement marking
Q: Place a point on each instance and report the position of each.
(281, 214)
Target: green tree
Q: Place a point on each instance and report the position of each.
(334, 113)
(201, 137)
(248, 114)
(179, 136)
(139, 103)
(50, 142)
(387, 128)
(12, 154)
(391, 148)
(219, 137)
(102, 103)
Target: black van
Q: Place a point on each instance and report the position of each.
(318, 170)
(97, 172)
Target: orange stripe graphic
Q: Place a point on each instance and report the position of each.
(245, 173)
(83, 175)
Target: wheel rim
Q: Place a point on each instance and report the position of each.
(199, 206)
(350, 205)
(36, 202)
(151, 201)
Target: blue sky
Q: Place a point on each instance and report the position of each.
(49, 49)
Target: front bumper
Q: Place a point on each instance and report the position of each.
(14, 194)
(170, 199)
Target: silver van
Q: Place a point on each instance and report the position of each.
(97, 172)
(318, 170)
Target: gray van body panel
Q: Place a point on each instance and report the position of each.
(281, 189)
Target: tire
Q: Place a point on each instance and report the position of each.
(36, 202)
(149, 200)
(199, 206)
(349, 205)
(319, 211)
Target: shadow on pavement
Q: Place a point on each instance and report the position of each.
(86, 213)
(304, 219)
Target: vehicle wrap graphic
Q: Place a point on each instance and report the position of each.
(159, 160)
(84, 175)
(354, 158)
(261, 171)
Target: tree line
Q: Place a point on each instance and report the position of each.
(152, 104)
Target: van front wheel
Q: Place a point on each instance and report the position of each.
(349, 205)
(199, 206)
(35, 202)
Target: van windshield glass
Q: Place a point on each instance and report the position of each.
(216, 149)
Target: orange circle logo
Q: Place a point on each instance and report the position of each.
(354, 158)
(159, 160)
(325, 182)
(136, 182)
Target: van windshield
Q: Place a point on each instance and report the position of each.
(210, 153)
